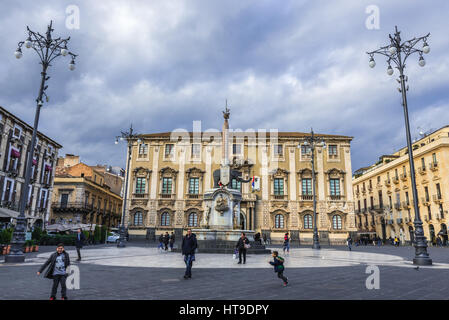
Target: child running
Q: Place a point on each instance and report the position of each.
(278, 263)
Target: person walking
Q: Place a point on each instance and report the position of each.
(264, 239)
(278, 263)
(286, 245)
(189, 245)
(349, 242)
(166, 241)
(242, 245)
(172, 241)
(79, 242)
(161, 242)
(58, 263)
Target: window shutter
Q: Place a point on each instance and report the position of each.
(46, 200)
(5, 161)
(2, 186)
(26, 160)
(42, 168)
(31, 197)
(13, 199)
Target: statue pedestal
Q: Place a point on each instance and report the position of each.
(224, 209)
(221, 224)
(224, 241)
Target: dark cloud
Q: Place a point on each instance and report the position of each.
(290, 65)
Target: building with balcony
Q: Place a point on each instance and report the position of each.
(85, 194)
(390, 203)
(15, 147)
(170, 172)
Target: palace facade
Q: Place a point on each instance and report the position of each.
(86, 194)
(383, 192)
(169, 173)
(15, 146)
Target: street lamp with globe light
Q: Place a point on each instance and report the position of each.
(130, 136)
(48, 49)
(398, 52)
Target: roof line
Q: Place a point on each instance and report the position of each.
(30, 127)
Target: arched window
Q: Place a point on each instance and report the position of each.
(336, 222)
(138, 218)
(279, 221)
(165, 219)
(308, 221)
(193, 219)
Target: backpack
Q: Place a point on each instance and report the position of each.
(280, 267)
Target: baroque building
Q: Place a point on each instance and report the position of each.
(170, 172)
(15, 145)
(383, 192)
(86, 194)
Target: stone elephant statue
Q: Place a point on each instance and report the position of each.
(234, 174)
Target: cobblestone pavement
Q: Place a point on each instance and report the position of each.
(340, 275)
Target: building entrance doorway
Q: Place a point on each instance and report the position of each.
(412, 234)
(432, 234)
(443, 234)
(242, 221)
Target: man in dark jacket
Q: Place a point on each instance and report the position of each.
(161, 242)
(166, 241)
(172, 241)
(189, 244)
(79, 242)
(349, 242)
(243, 240)
(57, 270)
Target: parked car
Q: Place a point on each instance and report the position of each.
(114, 237)
(53, 233)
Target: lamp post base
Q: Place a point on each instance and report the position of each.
(121, 241)
(421, 254)
(15, 258)
(316, 241)
(18, 240)
(422, 261)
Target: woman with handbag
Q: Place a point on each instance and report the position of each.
(242, 245)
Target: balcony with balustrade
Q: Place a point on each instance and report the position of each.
(437, 198)
(433, 166)
(71, 207)
(422, 170)
(306, 197)
(406, 204)
(425, 201)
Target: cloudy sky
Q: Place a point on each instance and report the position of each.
(290, 65)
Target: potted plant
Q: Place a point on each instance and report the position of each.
(28, 246)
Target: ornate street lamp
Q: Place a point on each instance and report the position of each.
(47, 49)
(130, 137)
(398, 52)
(313, 142)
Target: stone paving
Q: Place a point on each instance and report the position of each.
(140, 271)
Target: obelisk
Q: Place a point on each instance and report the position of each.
(224, 167)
